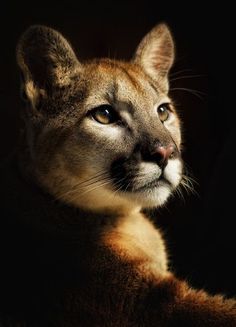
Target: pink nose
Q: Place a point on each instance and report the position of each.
(162, 153)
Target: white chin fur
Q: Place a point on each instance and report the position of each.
(151, 198)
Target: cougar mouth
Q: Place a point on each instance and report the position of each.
(132, 177)
(161, 181)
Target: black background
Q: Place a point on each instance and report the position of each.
(200, 229)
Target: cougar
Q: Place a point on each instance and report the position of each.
(101, 143)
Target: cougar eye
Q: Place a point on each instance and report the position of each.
(105, 114)
(163, 111)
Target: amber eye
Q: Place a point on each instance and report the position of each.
(164, 111)
(105, 114)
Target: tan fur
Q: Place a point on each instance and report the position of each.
(105, 175)
(136, 240)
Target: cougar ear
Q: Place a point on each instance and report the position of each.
(46, 60)
(155, 52)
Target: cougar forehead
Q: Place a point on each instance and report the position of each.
(121, 81)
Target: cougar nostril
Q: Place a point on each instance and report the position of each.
(170, 149)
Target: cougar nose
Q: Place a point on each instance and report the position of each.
(161, 153)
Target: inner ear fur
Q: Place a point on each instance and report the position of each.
(155, 53)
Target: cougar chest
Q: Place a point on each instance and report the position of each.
(137, 241)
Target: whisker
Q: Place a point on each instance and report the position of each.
(94, 188)
(194, 92)
(90, 179)
(94, 179)
(187, 89)
(180, 72)
(101, 178)
(120, 181)
(179, 192)
(81, 194)
(188, 184)
(117, 190)
(186, 77)
(127, 186)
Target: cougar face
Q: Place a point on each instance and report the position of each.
(102, 134)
